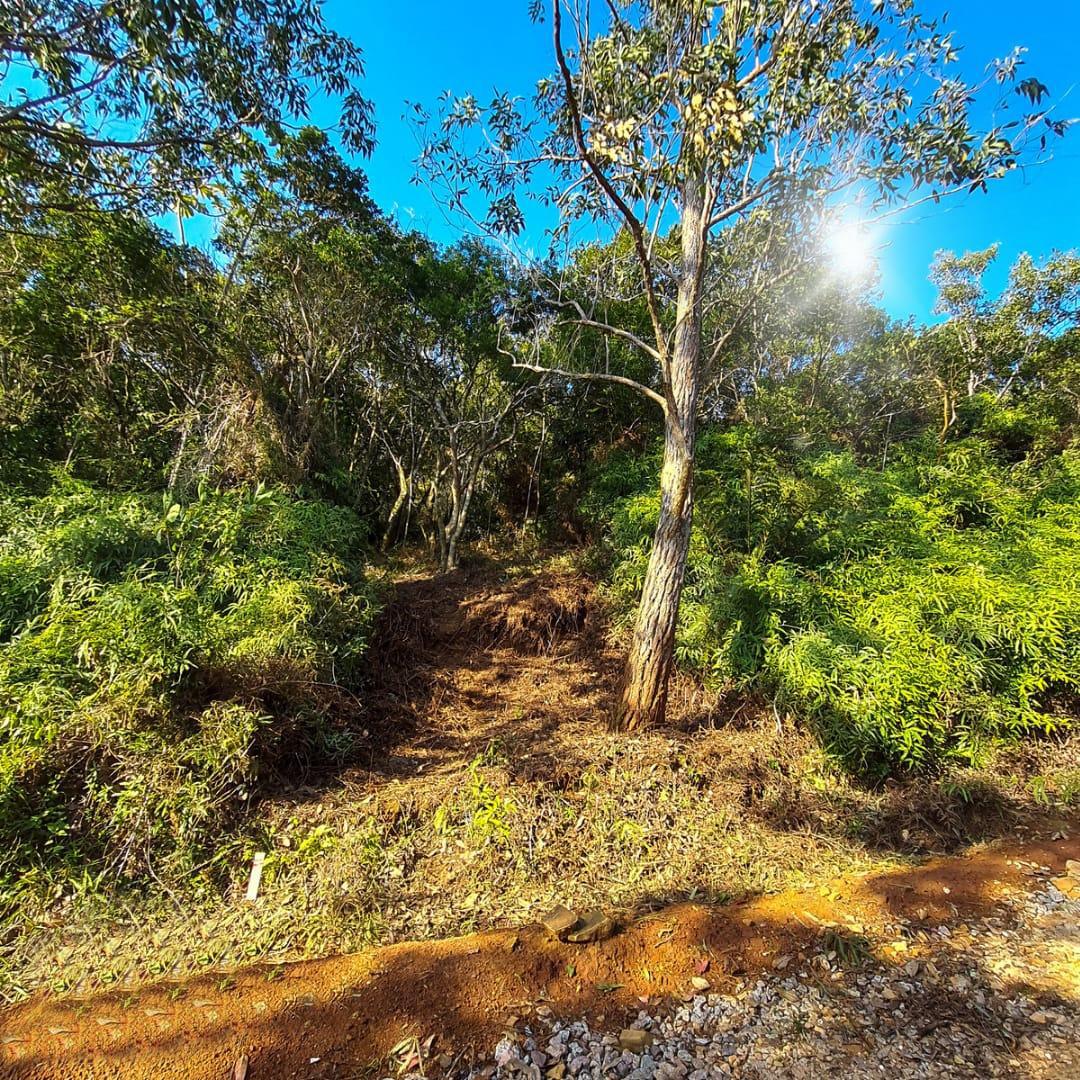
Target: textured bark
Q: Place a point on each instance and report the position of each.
(404, 487)
(452, 525)
(643, 700)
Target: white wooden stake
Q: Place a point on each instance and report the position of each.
(256, 875)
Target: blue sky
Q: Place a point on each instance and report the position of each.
(416, 49)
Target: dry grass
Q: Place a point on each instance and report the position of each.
(490, 790)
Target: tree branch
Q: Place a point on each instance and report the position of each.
(597, 376)
(741, 204)
(607, 328)
(636, 229)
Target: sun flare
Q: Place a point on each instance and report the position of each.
(851, 251)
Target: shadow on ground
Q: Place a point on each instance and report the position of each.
(517, 673)
(345, 1016)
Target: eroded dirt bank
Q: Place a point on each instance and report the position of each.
(354, 1016)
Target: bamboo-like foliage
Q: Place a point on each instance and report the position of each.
(916, 614)
(161, 662)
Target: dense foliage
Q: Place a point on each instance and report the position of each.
(885, 535)
(201, 451)
(917, 613)
(153, 104)
(160, 663)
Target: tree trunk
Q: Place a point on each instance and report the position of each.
(178, 458)
(643, 699)
(648, 667)
(404, 484)
(454, 528)
(948, 415)
(460, 516)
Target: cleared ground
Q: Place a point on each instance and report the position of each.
(487, 790)
(440, 1007)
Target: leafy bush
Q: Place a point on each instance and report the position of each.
(916, 613)
(161, 661)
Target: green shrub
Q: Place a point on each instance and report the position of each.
(915, 614)
(161, 661)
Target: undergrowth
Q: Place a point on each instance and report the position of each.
(712, 816)
(160, 664)
(918, 613)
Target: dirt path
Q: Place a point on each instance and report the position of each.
(344, 1017)
(486, 709)
(472, 659)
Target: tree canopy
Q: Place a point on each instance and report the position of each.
(151, 105)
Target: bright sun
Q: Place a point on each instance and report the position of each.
(851, 250)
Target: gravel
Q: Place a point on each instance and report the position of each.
(996, 997)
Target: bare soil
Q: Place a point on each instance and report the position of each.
(476, 657)
(488, 791)
(344, 1016)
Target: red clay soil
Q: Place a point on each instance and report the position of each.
(468, 658)
(342, 1017)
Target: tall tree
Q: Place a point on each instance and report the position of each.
(365, 354)
(108, 331)
(314, 282)
(459, 388)
(689, 116)
(986, 343)
(144, 103)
